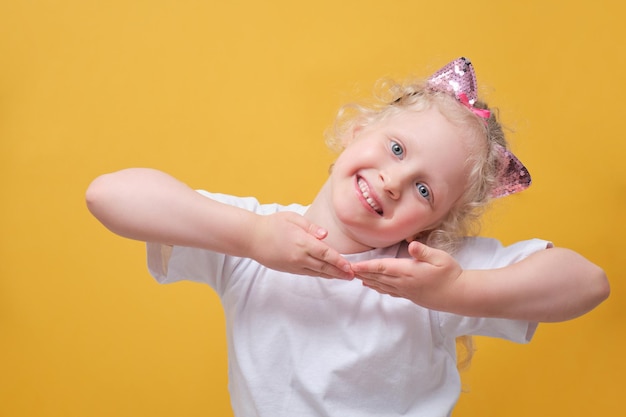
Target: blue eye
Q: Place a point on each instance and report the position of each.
(396, 148)
(423, 190)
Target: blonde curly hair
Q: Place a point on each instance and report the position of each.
(391, 98)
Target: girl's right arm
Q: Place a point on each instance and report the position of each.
(151, 206)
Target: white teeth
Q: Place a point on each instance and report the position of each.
(366, 194)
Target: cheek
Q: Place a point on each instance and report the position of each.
(414, 219)
(342, 163)
(404, 224)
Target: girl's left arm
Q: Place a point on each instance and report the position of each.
(551, 285)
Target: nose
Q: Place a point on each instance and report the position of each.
(391, 185)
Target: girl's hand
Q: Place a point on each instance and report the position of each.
(430, 279)
(290, 243)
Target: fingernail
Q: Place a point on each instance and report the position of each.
(321, 232)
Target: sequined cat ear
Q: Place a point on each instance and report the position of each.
(513, 176)
(459, 80)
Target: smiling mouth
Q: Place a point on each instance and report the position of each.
(365, 191)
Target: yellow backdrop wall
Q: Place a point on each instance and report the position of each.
(234, 97)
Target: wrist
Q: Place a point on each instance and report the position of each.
(253, 228)
(472, 295)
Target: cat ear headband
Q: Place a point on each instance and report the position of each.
(459, 79)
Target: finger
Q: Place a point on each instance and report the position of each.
(424, 253)
(383, 289)
(369, 276)
(379, 281)
(311, 228)
(317, 274)
(331, 260)
(332, 271)
(418, 250)
(330, 275)
(381, 267)
(375, 266)
(322, 268)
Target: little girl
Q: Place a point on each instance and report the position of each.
(417, 168)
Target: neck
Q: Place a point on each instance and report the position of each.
(322, 213)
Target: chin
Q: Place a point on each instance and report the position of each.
(375, 243)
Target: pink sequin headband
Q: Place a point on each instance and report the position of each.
(459, 79)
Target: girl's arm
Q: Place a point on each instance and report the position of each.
(151, 206)
(551, 285)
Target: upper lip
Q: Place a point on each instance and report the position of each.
(369, 195)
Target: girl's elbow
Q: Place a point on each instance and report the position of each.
(95, 196)
(595, 284)
(590, 283)
(102, 195)
(92, 195)
(596, 289)
(601, 288)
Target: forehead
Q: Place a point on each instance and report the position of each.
(424, 125)
(447, 106)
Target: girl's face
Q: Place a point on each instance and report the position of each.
(399, 176)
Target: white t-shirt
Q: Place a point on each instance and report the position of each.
(301, 346)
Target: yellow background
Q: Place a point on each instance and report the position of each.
(234, 97)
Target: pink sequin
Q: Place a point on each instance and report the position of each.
(457, 77)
